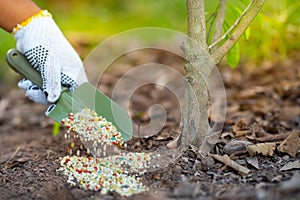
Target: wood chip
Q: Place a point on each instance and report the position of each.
(266, 149)
(291, 144)
(227, 161)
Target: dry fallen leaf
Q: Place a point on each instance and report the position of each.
(266, 149)
(253, 161)
(291, 144)
(241, 128)
(291, 165)
(258, 130)
(15, 163)
(226, 135)
(174, 143)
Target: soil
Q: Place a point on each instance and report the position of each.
(263, 107)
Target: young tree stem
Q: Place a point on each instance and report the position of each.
(219, 22)
(198, 69)
(239, 30)
(215, 43)
(200, 63)
(196, 21)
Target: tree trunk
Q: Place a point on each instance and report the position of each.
(195, 125)
(199, 66)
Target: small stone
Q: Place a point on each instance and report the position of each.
(236, 146)
(185, 159)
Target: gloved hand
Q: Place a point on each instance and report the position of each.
(46, 48)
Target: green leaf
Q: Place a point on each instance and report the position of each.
(247, 33)
(235, 10)
(55, 129)
(238, 12)
(233, 57)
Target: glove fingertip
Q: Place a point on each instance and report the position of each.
(35, 93)
(53, 96)
(49, 109)
(25, 84)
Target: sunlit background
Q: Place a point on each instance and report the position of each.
(273, 37)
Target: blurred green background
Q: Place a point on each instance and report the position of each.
(274, 36)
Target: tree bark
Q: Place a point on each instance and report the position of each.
(196, 21)
(198, 69)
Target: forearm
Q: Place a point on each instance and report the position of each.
(13, 12)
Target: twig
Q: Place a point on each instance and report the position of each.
(272, 138)
(211, 24)
(14, 154)
(219, 22)
(240, 29)
(227, 161)
(196, 21)
(232, 27)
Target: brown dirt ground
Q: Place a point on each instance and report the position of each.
(263, 101)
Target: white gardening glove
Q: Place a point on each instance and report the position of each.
(46, 48)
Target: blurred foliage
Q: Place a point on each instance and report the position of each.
(272, 36)
(89, 22)
(276, 33)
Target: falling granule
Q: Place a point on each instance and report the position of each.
(98, 135)
(105, 174)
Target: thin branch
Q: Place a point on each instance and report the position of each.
(219, 21)
(210, 27)
(239, 31)
(234, 165)
(196, 21)
(232, 27)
